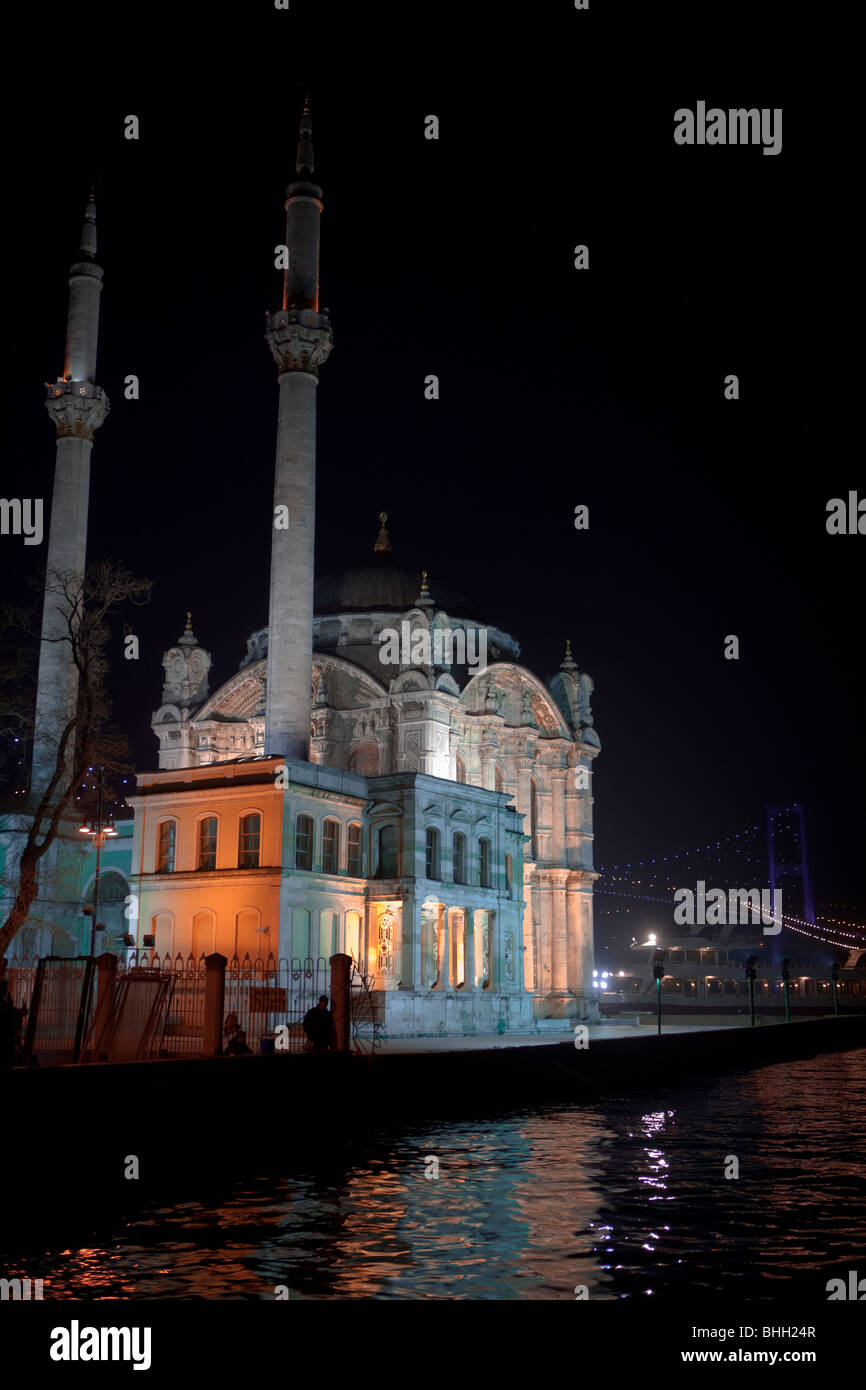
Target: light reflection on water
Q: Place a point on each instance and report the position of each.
(623, 1199)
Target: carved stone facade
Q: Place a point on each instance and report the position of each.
(497, 729)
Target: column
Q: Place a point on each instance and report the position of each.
(559, 962)
(469, 948)
(444, 949)
(556, 844)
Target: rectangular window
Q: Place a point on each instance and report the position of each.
(484, 863)
(432, 862)
(459, 858)
(207, 842)
(330, 847)
(304, 843)
(250, 837)
(165, 847)
(353, 847)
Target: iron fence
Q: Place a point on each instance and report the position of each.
(263, 996)
(157, 1005)
(61, 1006)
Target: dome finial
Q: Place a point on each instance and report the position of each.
(383, 542)
(568, 662)
(188, 627)
(424, 599)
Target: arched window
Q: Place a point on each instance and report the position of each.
(509, 873)
(304, 842)
(387, 856)
(327, 933)
(300, 933)
(113, 894)
(331, 847)
(354, 866)
(207, 843)
(353, 935)
(162, 931)
(166, 839)
(459, 769)
(249, 941)
(249, 841)
(432, 852)
(484, 863)
(533, 816)
(459, 849)
(203, 933)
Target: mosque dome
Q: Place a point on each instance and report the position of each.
(380, 587)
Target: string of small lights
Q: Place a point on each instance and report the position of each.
(839, 921)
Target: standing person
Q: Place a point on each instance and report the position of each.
(319, 1027)
(10, 1027)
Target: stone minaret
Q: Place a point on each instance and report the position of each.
(300, 339)
(77, 407)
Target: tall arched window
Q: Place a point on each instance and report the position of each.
(113, 895)
(484, 863)
(353, 935)
(165, 846)
(353, 851)
(304, 842)
(533, 816)
(300, 933)
(509, 873)
(249, 940)
(207, 843)
(387, 856)
(459, 769)
(330, 847)
(459, 850)
(432, 852)
(162, 930)
(249, 841)
(203, 934)
(327, 933)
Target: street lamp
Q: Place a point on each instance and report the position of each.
(99, 830)
(658, 971)
(750, 974)
(786, 975)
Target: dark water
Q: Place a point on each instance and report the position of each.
(627, 1197)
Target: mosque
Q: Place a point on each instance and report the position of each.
(424, 805)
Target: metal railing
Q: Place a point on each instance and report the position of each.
(152, 1005)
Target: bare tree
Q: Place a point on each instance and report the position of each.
(89, 737)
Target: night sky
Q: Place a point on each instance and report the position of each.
(558, 387)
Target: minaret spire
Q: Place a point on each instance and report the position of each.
(300, 339)
(77, 407)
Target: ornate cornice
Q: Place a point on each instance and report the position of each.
(299, 339)
(77, 408)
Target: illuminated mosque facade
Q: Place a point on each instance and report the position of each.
(427, 809)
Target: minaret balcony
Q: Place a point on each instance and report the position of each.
(77, 408)
(73, 388)
(300, 339)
